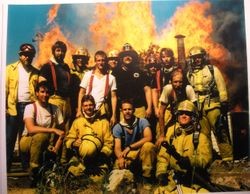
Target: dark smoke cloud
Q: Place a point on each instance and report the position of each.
(229, 28)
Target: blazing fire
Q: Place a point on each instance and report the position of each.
(48, 40)
(133, 22)
(52, 13)
(123, 22)
(192, 22)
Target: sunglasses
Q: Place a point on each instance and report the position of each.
(185, 113)
(113, 58)
(27, 54)
(153, 65)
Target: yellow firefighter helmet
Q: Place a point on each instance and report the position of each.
(90, 146)
(187, 106)
(82, 51)
(197, 50)
(113, 54)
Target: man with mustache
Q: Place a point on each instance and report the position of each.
(21, 79)
(132, 82)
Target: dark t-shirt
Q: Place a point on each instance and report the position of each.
(130, 85)
(62, 78)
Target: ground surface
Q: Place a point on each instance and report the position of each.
(230, 176)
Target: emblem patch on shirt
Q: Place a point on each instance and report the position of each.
(136, 75)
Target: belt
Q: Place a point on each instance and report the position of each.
(23, 103)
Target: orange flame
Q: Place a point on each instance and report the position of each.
(133, 22)
(52, 13)
(123, 22)
(50, 38)
(192, 22)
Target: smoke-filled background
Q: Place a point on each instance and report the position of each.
(216, 25)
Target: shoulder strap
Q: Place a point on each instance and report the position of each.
(106, 91)
(211, 69)
(137, 135)
(53, 72)
(35, 112)
(212, 84)
(122, 136)
(196, 135)
(91, 82)
(51, 115)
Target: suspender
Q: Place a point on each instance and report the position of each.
(35, 114)
(123, 136)
(53, 73)
(106, 90)
(196, 135)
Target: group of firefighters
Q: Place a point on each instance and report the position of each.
(129, 110)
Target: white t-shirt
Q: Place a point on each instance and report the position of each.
(98, 86)
(167, 90)
(43, 115)
(23, 85)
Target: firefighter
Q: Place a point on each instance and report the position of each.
(132, 82)
(57, 73)
(168, 65)
(212, 96)
(80, 63)
(183, 151)
(113, 59)
(21, 79)
(43, 129)
(133, 144)
(91, 140)
(152, 68)
(172, 94)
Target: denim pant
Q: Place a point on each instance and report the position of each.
(14, 127)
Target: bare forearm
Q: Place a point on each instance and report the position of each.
(161, 119)
(148, 96)
(80, 96)
(155, 98)
(114, 104)
(139, 144)
(37, 129)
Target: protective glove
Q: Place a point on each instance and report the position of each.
(162, 179)
(184, 163)
(224, 108)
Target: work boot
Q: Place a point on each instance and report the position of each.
(147, 183)
(34, 177)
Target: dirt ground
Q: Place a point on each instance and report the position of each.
(234, 177)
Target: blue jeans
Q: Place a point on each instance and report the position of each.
(11, 135)
(14, 127)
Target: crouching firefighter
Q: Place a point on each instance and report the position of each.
(91, 142)
(44, 131)
(183, 154)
